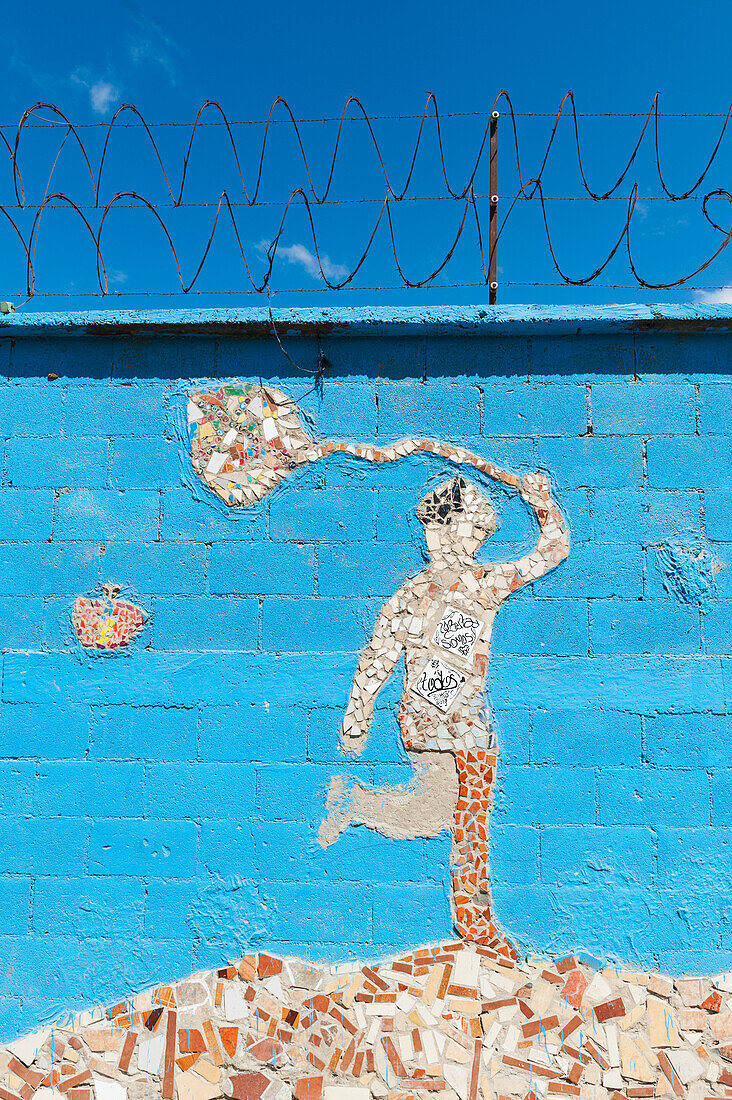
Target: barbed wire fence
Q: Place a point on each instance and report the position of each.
(482, 218)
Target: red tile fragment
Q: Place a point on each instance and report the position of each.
(348, 1055)
(266, 1050)
(309, 1088)
(669, 1072)
(248, 1086)
(568, 1028)
(535, 1026)
(343, 1020)
(379, 982)
(532, 1067)
(190, 1041)
(31, 1077)
(610, 1010)
(169, 1061)
(596, 1054)
(394, 1059)
(126, 1055)
(475, 1070)
(77, 1079)
(502, 1002)
(575, 1073)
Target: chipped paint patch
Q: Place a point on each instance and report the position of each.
(688, 572)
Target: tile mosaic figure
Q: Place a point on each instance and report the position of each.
(441, 621)
(245, 439)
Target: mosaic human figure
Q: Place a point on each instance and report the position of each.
(441, 621)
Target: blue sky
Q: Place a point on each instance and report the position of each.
(167, 58)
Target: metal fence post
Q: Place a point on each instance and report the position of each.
(493, 223)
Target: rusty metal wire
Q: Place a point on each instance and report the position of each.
(312, 197)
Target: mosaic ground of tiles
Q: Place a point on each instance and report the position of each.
(460, 1020)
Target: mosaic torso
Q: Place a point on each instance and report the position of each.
(444, 620)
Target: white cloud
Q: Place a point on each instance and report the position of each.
(722, 295)
(301, 256)
(150, 44)
(103, 95)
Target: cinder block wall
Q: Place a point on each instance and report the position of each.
(159, 808)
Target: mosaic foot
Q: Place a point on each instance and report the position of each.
(339, 815)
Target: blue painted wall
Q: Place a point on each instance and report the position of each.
(158, 809)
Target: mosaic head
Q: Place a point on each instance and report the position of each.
(245, 439)
(456, 511)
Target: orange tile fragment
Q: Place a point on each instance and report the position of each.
(212, 1043)
(187, 1061)
(229, 1039)
(267, 965)
(574, 988)
(248, 968)
(713, 1002)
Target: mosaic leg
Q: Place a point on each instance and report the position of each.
(470, 879)
(424, 807)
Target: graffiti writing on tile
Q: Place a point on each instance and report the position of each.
(438, 683)
(457, 632)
